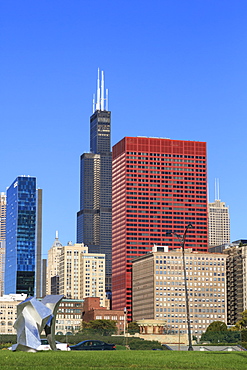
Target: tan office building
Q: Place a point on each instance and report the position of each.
(53, 259)
(218, 223)
(81, 274)
(8, 312)
(158, 288)
(69, 316)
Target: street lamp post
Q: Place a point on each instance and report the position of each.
(182, 242)
(1, 314)
(124, 328)
(125, 337)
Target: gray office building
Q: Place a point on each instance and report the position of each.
(94, 220)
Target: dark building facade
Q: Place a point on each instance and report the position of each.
(55, 285)
(158, 187)
(22, 236)
(236, 273)
(94, 220)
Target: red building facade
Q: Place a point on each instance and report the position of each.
(93, 311)
(159, 186)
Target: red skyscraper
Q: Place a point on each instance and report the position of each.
(158, 186)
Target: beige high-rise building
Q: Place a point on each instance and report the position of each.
(81, 274)
(2, 239)
(74, 272)
(92, 278)
(218, 223)
(53, 259)
(159, 293)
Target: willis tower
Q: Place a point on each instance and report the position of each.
(94, 220)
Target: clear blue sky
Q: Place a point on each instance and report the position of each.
(174, 69)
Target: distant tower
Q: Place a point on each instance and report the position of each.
(218, 220)
(2, 239)
(54, 254)
(94, 219)
(22, 225)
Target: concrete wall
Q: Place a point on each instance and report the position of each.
(164, 338)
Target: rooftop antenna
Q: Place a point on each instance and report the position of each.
(102, 91)
(107, 99)
(217, 189)
(100, 102)
(214, 189)
(93, 103)
(98, 92)
(56, 234)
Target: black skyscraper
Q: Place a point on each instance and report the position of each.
(94, 220)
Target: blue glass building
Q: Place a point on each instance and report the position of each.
(21, 221)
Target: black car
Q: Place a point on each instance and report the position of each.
(92, 345)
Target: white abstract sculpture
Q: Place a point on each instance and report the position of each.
(33, 317)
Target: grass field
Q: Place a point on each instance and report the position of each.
(150, 360)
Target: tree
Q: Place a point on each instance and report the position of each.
(216, 332)
(103, 327)
(222, 336)
(216, 326)
(133, 327)
(242, 324)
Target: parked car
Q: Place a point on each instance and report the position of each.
(45, 346)
(92, 345)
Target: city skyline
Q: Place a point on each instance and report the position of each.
(183, 77)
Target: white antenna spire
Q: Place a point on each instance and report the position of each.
(215, 189)
(98, 92)
(107, 99)
(102, 91)
(99, 103)
(93, 103)
(56, 234)
(219, 189)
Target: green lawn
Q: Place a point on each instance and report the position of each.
(151, 360)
